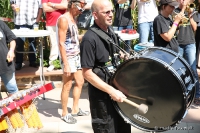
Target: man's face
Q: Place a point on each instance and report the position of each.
(169, 9)
(105, 15)
(184, 2)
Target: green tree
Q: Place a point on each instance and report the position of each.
(6, 11)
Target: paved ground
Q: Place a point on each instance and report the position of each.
(50, 111)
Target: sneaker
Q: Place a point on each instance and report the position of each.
(69, 119)
(50, 68)
(18, 66)
(197, 101)
(81, 113)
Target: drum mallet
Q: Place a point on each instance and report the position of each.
(142, 108)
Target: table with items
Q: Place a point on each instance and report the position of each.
(24, 33)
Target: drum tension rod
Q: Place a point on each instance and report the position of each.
(172, 62)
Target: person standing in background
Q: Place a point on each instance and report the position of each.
(26, 14)
(123, 17)
(186, 40)
(197, 37)
(69, 52)
(164, 28)
(88, 7)
(147, 11)
(7, 69)
(53, 10)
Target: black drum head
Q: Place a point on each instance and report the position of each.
(146, 81)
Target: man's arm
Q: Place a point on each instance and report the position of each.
(62, 30)
(50, 7)
(39, 15)
(11, 54)
(133, 4)
(170, 34)
(193, 24)
(47, 8)
(91, 77)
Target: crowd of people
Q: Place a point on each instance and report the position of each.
(84, 56)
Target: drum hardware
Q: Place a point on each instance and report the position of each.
(143, 51)
(132, 52)
(172, 62)
(182, 71)
(142, 108)
(189, 88)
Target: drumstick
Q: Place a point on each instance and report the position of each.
(149, 100)
(142, 108)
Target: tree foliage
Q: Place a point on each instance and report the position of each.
(6, 11)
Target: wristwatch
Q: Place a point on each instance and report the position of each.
(53, 6)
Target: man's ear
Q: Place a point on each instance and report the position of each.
(94, 14)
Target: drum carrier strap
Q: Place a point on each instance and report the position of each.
(111, 49)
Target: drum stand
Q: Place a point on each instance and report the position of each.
(132, 52)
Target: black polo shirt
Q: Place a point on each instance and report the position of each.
(94, 51)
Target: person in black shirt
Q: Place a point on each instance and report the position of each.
(164, 28)
(94, 52)
(186, 40)
(123, 17)
(7, 70)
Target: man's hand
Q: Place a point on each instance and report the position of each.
(124, 56)
(117, 95)
(179, 17)
(15, 7)
(10, 55)
(49, 4)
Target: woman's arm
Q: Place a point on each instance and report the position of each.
(62, 30)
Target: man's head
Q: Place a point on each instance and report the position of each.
(168, 6)
(76, 5)
(185, 2)
(103, 13)
(173, 3)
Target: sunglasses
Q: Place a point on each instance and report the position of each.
(82, 3)
(108, 12)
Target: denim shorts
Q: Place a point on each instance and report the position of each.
(10, 82)
(74, 63)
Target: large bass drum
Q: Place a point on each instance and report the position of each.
(158, 74)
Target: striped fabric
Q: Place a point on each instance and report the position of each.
(72, 46)
(28, 11)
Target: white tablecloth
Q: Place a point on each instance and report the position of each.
(125, 36)
(30, 33)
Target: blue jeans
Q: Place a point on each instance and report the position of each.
(189, 54)
(9, 82)
(127, 42)
(145, 30)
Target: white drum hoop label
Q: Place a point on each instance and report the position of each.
(141, 118)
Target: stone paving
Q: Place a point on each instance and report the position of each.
(50, 111)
